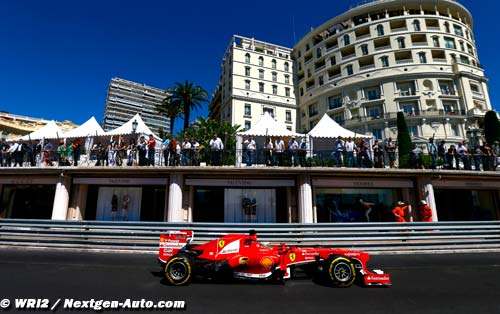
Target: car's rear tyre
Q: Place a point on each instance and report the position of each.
(179, 270)
(339, 271)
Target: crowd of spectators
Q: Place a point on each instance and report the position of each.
(146, 151)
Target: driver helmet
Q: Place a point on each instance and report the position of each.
(400, 203)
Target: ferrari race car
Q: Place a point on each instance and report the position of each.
(242, 256)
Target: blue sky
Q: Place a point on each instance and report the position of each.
(57, 57)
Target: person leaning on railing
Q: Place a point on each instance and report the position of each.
(279, 148)
(293, 147)
(186, 152)
(216, 148)
(268, 152)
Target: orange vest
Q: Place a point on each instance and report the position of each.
(399, 212)
(425, 213)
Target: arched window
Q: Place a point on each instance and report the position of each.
(287, 67)
(261, 61)
(447, 27)
(380, 30)
(422, 58)
(247, 58)
(347, 40)
(416, 26)
(273, 64)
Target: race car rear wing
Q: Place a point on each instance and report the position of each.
(171, 242)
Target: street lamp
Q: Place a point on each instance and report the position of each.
(134, 126)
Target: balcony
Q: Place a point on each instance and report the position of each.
(439, 60)
(433, 28)
(404, 61)
(399, 29)
(352, 55)
(420, 44)
(448, 92)
(363, 36)
(383, 48)
(367, 67)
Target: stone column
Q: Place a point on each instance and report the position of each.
(78, 202)
(61, 199)
(175, 211)
(426, 193)
(306, 214)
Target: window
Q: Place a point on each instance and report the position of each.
(247, 84)
(321, 81)
(301, 90)
(335, 101)
(313, 110)
(409, 108)
(247, 58)
(339, 119)
(275, 76)
(275, 89)
(455, 130)
(380, 30)
(261, 74)
(373, 93)
(412, 129)
(474, 88)
(287, 79)
(446, 88)
(333, 60)
(416, 26)
(248, 110)
(268, 110)
(374, 112)
(449, 43)
(261, 87)
(287, 91)
(464, 59)
(401, 42)
(248, 125)
(364, 49)
(462, 46)
(385, 61)
(470, 50)
(286, 67)
(318, 52)
(347, 40)
(247, 71)
(273, 64)
(435, 41)
(458, 30)
(377, 133)
(422, 57)
(449, 107)
(349, 70)
(261, 61)
(447, 27)
(288, 116)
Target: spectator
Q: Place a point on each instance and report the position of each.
(164, 148)
(488, 159)
(173, 153)
(390, 148)
(338, 152)
(4, 148)
(151, 150)
(495, 152)
(132, 152)
(432, 150)
(62, 154)
(399, 212)
(76, 150)
(47, 152)
(450, 156)
(441, 151)
(14, 152)
(142, 148)
(268, 152)
(350, 148)
(195, 147)
(216, 148)
(38, 152)
(186, 152)
(279, 148)
(244, 155)
(416, 157)
(302, 154)
(293, 147)
(477, 156)
(112, 151)
(378, 155)
(463, 155)
(251, 149)
(364, 160)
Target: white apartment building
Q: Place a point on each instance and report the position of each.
(386, 56)
(125, 99)
(256, 77)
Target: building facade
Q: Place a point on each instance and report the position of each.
(125, 99)
(377, 59)
(13, 126)
(256, 77)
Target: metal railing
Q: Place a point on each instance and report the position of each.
(143, 236)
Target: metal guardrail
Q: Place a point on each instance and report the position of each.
(143, 236)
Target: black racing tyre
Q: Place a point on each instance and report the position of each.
(179, 270)
(339, 271)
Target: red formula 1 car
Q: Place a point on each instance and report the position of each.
(242, 256)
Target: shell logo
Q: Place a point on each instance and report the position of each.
(267, 262)
(292, 257)
(222, 243)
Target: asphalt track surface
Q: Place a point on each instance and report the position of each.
(450, 283)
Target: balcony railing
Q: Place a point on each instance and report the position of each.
(439, 60)
(420, 44)
(383, 48)
(352, 55)
(399, 29)
(366, 67)
(404, 61)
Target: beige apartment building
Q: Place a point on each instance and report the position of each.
(382, 57)
(256, 77)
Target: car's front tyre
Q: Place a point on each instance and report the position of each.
(339, 271)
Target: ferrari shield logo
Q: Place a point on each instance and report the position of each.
(292, 257)
(221, 243)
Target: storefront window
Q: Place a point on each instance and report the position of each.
(466, 205)
(356, 205)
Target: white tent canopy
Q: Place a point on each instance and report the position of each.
(49, 131)
(126, 128)
(267, 126)
(328, 128)
(89, 128)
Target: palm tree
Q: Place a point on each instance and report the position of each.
(190, 97)
(170, 108)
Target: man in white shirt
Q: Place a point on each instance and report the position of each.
(251, 148)
(350, 148)
(186, 152)
(216, 148)
(195, 149)
(279, 148)
(432, 151)
(293, 147)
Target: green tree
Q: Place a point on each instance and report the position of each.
(203, 129)
(491, 127)
(189, 96)
(405, 144)
(170, 108)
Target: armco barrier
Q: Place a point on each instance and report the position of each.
(143, 236)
